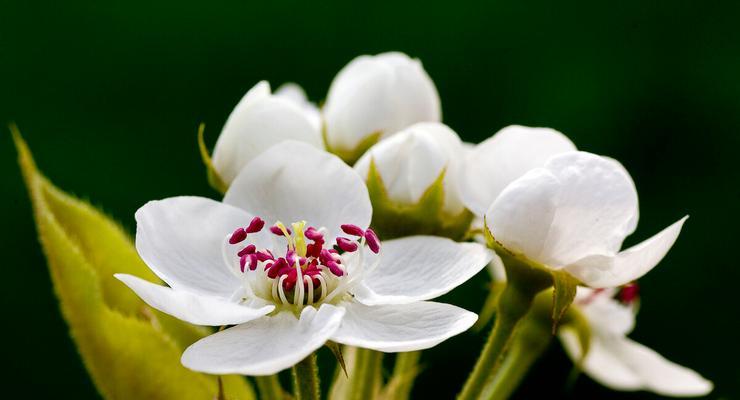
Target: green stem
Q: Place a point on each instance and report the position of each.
(269, 387)
(513, 306)
(306, 379)
(533, 339)
(404, 374)
(365, 375)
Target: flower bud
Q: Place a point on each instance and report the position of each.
(413, 174)
(376, 96)
(262, 119)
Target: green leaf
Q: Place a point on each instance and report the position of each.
(130, 350)
(392, 219)
(214, 179)
(564, 293)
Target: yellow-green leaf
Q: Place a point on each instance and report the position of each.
(130, 350)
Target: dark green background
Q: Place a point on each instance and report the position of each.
(109, 94)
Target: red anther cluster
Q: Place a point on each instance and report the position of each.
(317, 259)
(629, 293)
(371, 238)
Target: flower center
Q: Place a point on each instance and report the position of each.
(303, 269)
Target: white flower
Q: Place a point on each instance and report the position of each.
(413, 159)
(499, 160)
(261, 120)
(284, 286)
(570, 211)
(380, 95)
(618, 362)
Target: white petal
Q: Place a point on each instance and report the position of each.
(496, 269)
(181, 240)
(264, 346)
(190, 307)
(293, 181)
(596, 207)
(503, 158)
(397, 328)
(383, 93)
(521, 217)
(632, 224)
(420, 268)
(622, 364)
(605, 314)
(600, 364)
(412, 160)
(259, 121)
(628, 265)
(295, 94)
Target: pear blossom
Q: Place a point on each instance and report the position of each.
(377, 95)
(411, 161)
(288, 287)
(618, 362)
(564, 209)
(262, 119)
(499, 160)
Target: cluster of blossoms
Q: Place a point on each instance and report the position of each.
(377, 154)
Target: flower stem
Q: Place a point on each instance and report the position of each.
(513, 304)
(533, 339)
(365, 375)
(306, 379)
(269, 387)
(404, 374)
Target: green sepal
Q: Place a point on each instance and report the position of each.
(336, 349)
(563, 294)
(392, 219)
(130, 350)
(350, 156)
(531, 273)
(214, 179)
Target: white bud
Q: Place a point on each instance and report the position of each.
(380, 94)
(261, 120)
(411, 161)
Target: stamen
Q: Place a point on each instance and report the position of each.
(238, 236)
(281, 291)
(346, 244)
(335, 268)
(322, 279)
(313, 234)
(255, 225)
(372, 240)
(309, 286)
(629, 293)
(298, 296)
(295, 278)
(353, 230)
(247, 250)
(280, 229)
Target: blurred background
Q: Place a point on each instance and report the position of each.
(109, 96)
